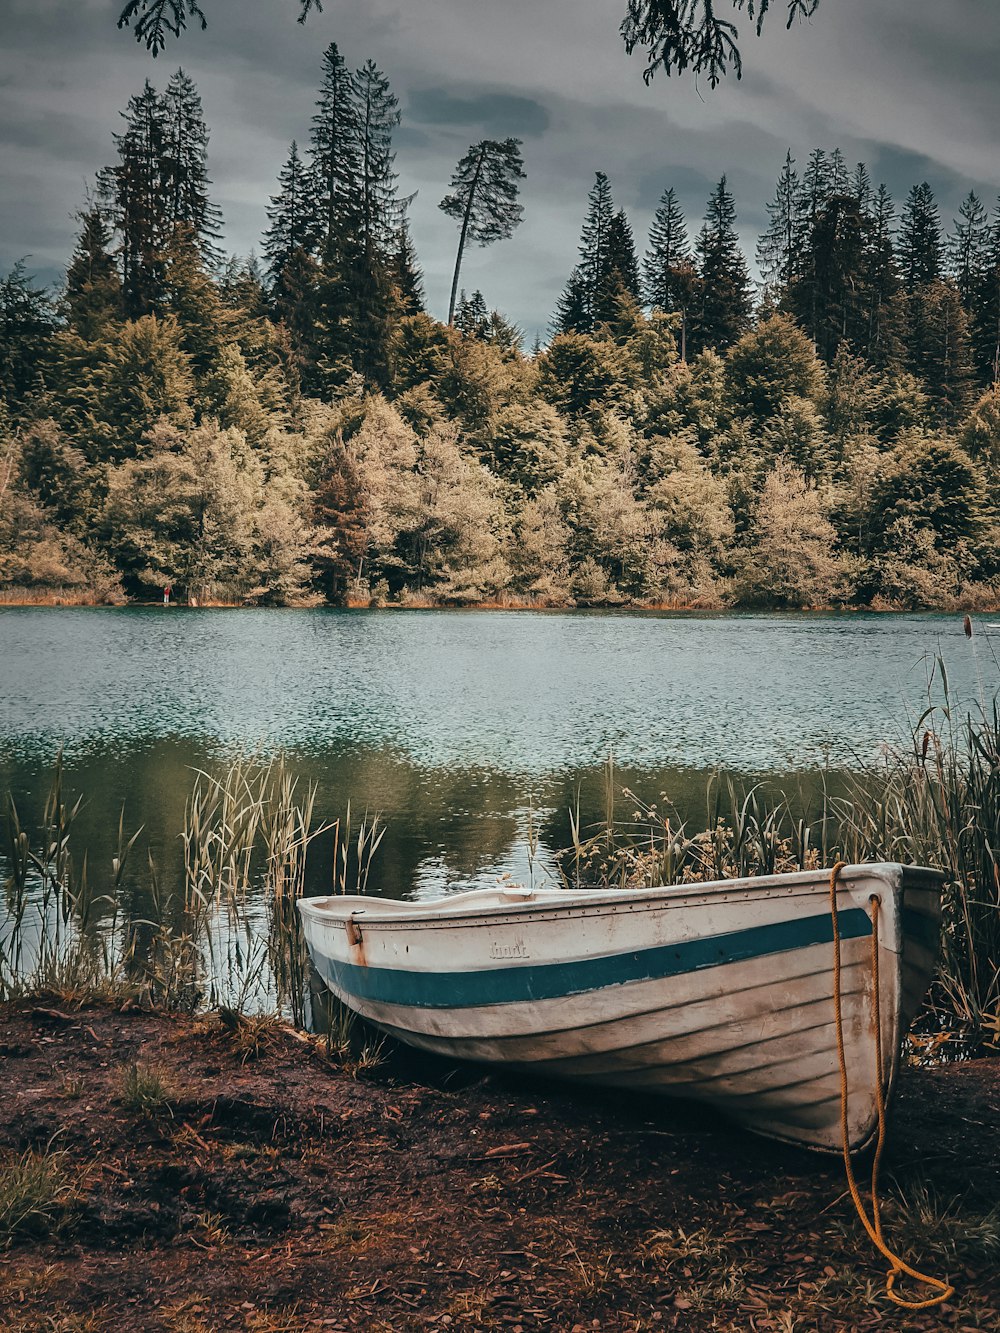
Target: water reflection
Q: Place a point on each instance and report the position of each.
(465, 731)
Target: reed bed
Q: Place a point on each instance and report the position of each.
(934, 803)
(228, 935)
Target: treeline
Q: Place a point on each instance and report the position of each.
(307, 432)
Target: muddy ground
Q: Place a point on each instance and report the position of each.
(277, 1189)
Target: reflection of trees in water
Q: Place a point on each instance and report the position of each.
(455, 826)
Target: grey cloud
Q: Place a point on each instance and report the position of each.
(906, 85)
(500, 114)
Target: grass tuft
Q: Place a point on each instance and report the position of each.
(37, 1194)
(144, 1090)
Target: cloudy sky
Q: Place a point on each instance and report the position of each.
(909, 86)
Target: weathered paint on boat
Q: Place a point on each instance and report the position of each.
(717, 992)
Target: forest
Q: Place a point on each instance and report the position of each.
(299, 430)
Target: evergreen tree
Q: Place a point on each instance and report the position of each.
(292, 215)
(575, 312)
(881, 283)
(471, 315)
(938, 348)
(484, 199)
(27, 325)
(827, 292)
(861, 187)
(723, 311)
(920, 249)
(839, 178)
(160, 182)
(572, 312)
(986, 305)
(379, 214)
(607, 273)
(667, 266)
(405, 272)
(776, 249)
(967, 248)
(93, 289)
(620, 279)
(336, 168)
(185, 166)
(136, 191)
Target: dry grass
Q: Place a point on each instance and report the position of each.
(38, 1194)
(144, 1089)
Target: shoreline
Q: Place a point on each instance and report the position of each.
(652, 608)
(271, 1187)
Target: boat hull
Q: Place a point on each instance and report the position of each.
(721, 993)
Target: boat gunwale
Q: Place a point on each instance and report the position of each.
(448, 911)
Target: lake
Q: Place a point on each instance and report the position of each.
(463, 729)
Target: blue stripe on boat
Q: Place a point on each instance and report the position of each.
(509, 985)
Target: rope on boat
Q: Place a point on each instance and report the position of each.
(872, 1225)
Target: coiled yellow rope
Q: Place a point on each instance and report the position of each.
(872, 1225)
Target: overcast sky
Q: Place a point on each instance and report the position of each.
(909, 86)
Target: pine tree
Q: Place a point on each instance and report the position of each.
(839, 178)
(920, 249)
(405, 272)
(27, 323)
(608, 270)
(160, 182)
(572, 312)
(136, 192)
(620, 278)
(667, 265)
(185, 166)
(723, 312)
(938, 348)
(967, 248)
(335, 147)
(881, 283)
(827, 296)
(986, 305)
(292, 214)
(93, 295)
(776, 249)
(595, 244)
(484, 198)
(861, 187)
(379, 214)
(471, 315)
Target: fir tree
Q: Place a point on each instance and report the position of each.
(881, 283)
(986, 305)
(620, 278)
(776, 249)
(607, 271)
(723, 312)
(93, 295)
(938, 348)
(185, 166)
(405, 272)
(667, 265)
(920, 249)
(292, 214)
(335, 146)
(27, 323)
(137, 194)
(471, 315)
(379, 214)
(484, 186)
(967, 248)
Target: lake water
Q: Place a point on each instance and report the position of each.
(460, 728)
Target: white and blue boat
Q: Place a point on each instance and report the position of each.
(721, 993)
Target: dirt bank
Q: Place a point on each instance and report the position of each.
(275, 1190)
